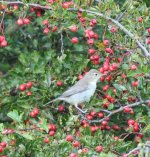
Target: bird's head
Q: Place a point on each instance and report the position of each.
(94, 75)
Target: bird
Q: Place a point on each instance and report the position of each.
(82, 90)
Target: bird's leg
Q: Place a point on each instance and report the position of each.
(80, 109)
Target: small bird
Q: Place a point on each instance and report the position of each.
(82, 90)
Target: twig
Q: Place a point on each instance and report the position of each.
(62, 44)
(132, 151)
(1, 29)
(28, 4)
(119, 110)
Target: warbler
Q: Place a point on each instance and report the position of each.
(82, 91)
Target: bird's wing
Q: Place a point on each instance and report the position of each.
(74, 90)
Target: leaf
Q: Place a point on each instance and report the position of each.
(15, 116)
(26, 136)
(111, 106)
(1, 127)
(44, 125)
(119, 87)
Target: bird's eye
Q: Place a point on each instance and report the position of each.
(95, 74)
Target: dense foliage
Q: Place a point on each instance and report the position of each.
(45, 48)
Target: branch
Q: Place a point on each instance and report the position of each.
(62, 44)
(119, 110)
(28, 4)
(145, 147)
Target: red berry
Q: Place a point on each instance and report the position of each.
(133, 67)
(93, 113)
(80, 77)
(73, 155)
(131, 122)
(20, 22)
(93, 128)
(29, 84)
(140, 19)
(22, 87)
(91, 51)
(54, 29)
(32, 114)
(15, 7)
(136, 128)
(105, 88)
(148, 103)
(65, 5)
(69, 138)
(89, 117)
(2, 38)
(45, 22)
(100, 115)
(90, 41)
(106, 42)
(46, 140)
(127, 109)
(3, 144)
(104, 122)
(99, 148)
(148, 41)
(75, 143)
(92, 24)
(36, 111)
(85, 150)
(113, 29)
(148, 30)
(116, 127)
(46, 31)
(135, 84)
(94, 21)
(1, 149)
(59, 83)
(116, 138)
(26, 21)
(114, 66)
(3, 43)
(74, 40)
(29, 93)
(109, 50)
(52, 127)
(61, 108)
(74, 28)
(96, 36)
(52, 133)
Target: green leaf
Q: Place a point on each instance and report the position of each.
(15, 116)
(111, 106)
(26, 136)
(119, 87)
(44, 125)
(1, 127)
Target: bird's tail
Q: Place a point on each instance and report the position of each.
(50, 102)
